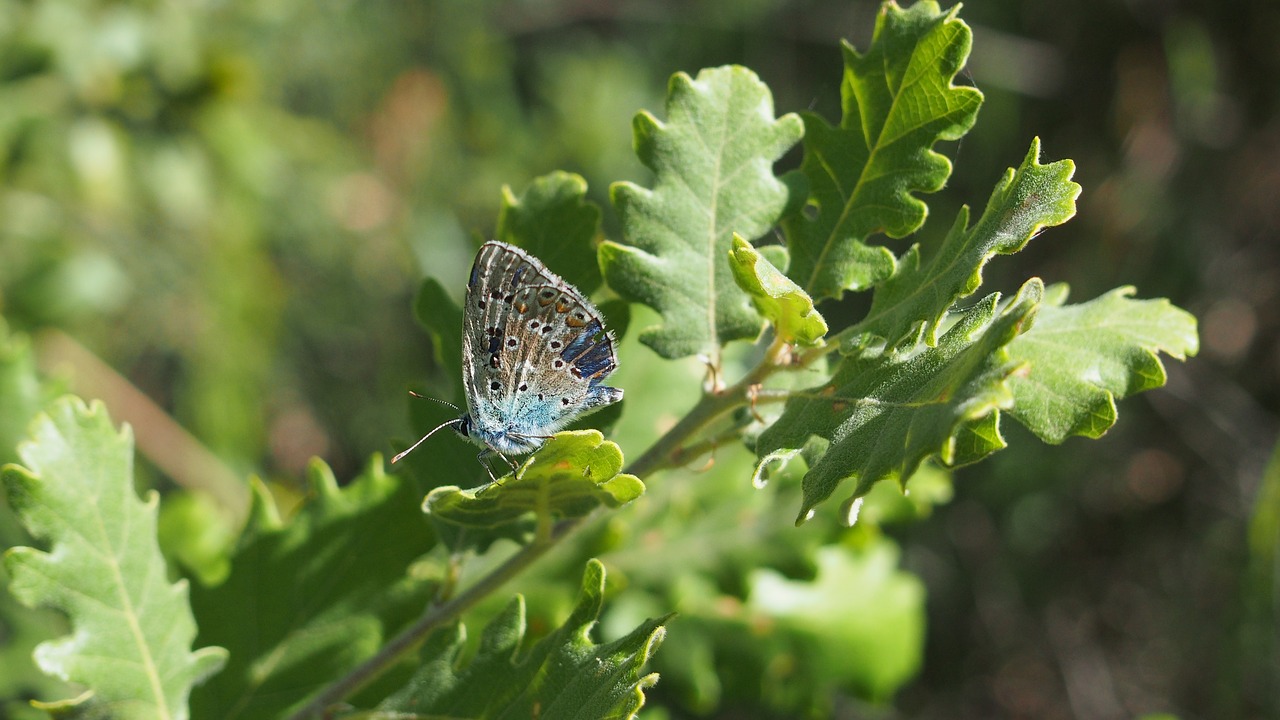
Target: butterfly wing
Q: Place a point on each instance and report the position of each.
(535, 351)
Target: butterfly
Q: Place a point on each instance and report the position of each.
(535, 353)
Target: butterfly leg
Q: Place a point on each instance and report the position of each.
(486, 453)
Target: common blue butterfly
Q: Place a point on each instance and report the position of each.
(534, 354)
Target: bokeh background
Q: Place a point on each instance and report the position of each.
(215, 215)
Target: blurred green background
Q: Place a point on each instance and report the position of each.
(216, 215)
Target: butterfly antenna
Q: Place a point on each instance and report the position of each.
(424, 437)
(442, 402)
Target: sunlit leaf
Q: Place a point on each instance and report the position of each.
(776, 297)
(861, 617)
(133, 629)
(1081, 358)
(911, 304)
(898, 101)
(712, 161)
(574, 473)
(883, 416)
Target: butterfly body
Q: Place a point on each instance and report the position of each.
(535, 353)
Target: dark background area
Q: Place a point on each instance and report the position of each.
(232, 206)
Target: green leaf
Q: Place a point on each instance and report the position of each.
(785, 305)
(564, 675)
(883, 416)
(1082, 357)
(898, 101)
(573, 474)
(911, 304)
(310, 599)
(20, 394)
(553, 220)
(133, 629)
(441, 317)
(861, 618)
(712, 161)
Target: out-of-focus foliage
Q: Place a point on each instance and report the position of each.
(232, 205)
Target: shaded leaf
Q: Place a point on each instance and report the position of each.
(310, 599)
(712, 160)
(564, 675)
(133, 629)
(446, 460)
(553, 220)
(441, 317)
(884, 416)
(897, 101)
(911, 304)
(781, 301)
(574, 473)
(1082, 357)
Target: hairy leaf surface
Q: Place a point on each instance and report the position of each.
(910, 305)
(882, 417)
(713, 176)
(133, 629)
(897, 101)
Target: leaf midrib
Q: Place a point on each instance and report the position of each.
(126, 603)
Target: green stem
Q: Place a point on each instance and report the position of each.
(668, 451)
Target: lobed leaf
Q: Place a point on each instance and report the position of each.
(712, 161)
(882, 416)
(564, 675)
(310, 599)
(133, 629)
(1082, 357)
(575, 472)
(911, 304)
(553, 220)
(897, 102)
(780, 300)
